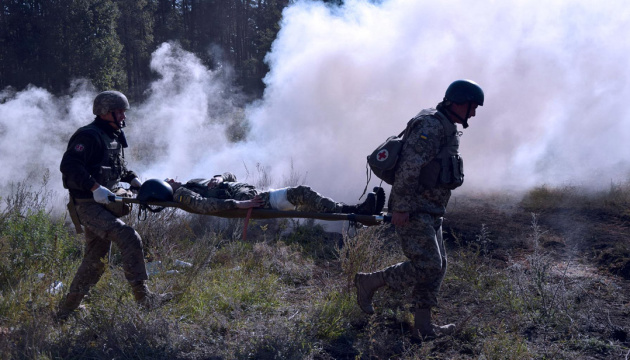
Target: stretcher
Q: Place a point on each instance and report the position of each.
(254, 213)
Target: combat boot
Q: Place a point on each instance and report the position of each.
(380, 199)
(68, 304)
(367, 284)
(424, 329)
(148, 299)
(368, 207)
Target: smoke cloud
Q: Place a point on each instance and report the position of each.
(343, 79)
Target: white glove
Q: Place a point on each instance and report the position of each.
(135, 183)
(102, 194)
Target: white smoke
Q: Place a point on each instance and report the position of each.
(344, 78)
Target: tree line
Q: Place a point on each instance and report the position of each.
(48, 43)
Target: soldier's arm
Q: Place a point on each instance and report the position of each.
(128, 175)
(419, 149)
(82, 150)
(200, 204)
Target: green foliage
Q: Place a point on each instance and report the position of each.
(110, 42)
(368, 250)
(34, 243)
(313, 239)
(333, 315)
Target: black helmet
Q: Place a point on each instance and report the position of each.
(155, 190)
(108, 101)
(461, 91)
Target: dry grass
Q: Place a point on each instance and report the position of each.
(519, 286)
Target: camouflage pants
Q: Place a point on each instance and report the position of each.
(421, 241)
(306, 199)
(101, 229)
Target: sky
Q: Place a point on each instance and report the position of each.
(555, 76)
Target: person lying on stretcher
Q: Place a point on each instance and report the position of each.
(224, 192)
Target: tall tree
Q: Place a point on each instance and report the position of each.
(135, 29)
(48, 43)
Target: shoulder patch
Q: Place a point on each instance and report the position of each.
(424, 136)
(79, 147)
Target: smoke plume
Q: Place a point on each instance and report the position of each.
(343, 79)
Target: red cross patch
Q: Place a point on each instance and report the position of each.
(79, 147)
(382, 155)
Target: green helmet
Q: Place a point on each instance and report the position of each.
(155, 190)
(461, 91)
(108, 101)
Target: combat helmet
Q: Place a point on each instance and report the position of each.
(108, 101)
(461, 91)
(155, 190)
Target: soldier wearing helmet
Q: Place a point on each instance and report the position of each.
(92, 168)
(429, 167)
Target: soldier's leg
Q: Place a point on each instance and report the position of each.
(309, 200)
(88, 273)
(129, 243)
(107, 226)
(420, 245)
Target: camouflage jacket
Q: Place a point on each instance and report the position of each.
(422, 145)
(196, 195)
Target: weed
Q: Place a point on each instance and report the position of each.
(370, 249)
(283, 293)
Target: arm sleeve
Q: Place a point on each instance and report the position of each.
(422, 145)
(229, 177)
(127, 176)
(82, 150)
(199, 204)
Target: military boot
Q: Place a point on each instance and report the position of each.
(68, 304)
(380, 199)
(367, 284)
(368, 207)
(424, 329)
(147, 298)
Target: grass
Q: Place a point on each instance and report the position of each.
(287, 292)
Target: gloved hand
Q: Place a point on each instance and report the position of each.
(102, 194)
(135, 185)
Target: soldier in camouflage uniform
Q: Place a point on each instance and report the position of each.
(224, 192)
(429, 168)
(91, 168)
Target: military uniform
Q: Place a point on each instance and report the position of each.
(196, 195)
(95, 155)
(417, 190)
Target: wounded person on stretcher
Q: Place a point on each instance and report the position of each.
(224, 192)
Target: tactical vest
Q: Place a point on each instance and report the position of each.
(109, 169)
(446, 170)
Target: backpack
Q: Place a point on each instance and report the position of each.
(382, 161)
(446, 170)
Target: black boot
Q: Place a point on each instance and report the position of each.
(368, 207)
(380, 199)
